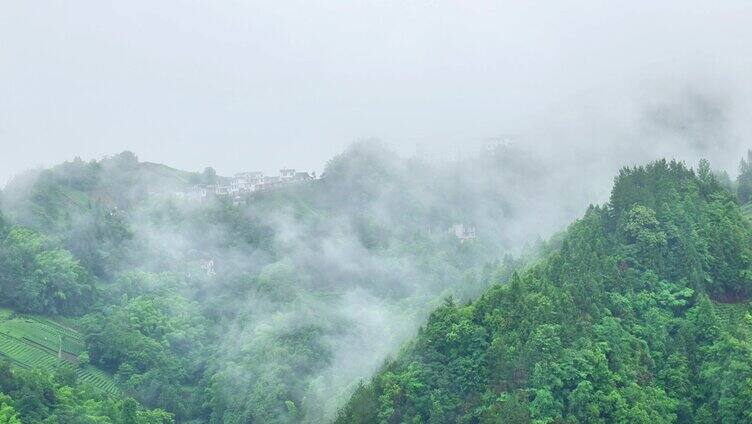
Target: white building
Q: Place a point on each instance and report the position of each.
(247, 182)
(287, 174)
(222, 190)
(462, 232)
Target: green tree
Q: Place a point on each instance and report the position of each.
(744, 180)
(8, 414)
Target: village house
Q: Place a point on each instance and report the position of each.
(245, 182)
(287, 174)
(463, 232)
(222, 190)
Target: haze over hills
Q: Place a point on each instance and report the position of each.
(307, 291)
(252, 212)
(640, 313)
(262, 85)
(276, 308)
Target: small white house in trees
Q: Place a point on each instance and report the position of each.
(463, 232)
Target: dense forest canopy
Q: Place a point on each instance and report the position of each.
(638, 314)
(276, 308)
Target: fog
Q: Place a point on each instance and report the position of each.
(262, 85)
(316, 284)
(572, 91)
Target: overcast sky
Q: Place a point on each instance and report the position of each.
(244, 85)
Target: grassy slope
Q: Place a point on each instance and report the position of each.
(29, 341)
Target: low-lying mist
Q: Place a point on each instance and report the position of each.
(314, 285)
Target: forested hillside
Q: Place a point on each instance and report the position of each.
(375, 212)
(128, 302)
(640, 314)
(308, 290)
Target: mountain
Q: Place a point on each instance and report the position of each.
(639, 314)
(271, 307)
(263, 310)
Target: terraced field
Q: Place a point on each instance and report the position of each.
(5, 313)
(38, 342)
(44, 334)
(94, 376)
(27, 355)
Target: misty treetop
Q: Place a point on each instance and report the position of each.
(639, 314)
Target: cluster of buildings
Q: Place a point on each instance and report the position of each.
(243, 184)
